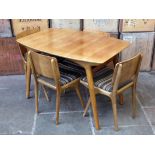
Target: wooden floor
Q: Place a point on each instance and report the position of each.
(10, 59)
(17, 114)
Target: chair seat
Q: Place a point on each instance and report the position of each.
(66, 76)
(103, 79)
(71, 67)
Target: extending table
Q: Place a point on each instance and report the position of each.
(85, 48)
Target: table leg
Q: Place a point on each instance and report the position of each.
(92, 95)
(28, 79)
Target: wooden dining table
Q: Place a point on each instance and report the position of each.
(88, 49)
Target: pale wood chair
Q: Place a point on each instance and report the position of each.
(111, 83)
(110, 63)
(23, 51)
(46, 72)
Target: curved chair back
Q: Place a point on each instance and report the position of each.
(126, 71)
(23, 50)
(43, 65)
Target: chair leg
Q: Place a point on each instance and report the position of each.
(25, 70)
(45, 92)
(57, 106)
(133, 101)
(26, 84)
(114, 107)
(36, 96)
(87, 106)
(28, 80)
(121, 99)
(79, 95)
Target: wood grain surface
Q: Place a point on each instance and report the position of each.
(82, 46)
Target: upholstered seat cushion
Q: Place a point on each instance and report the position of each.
(66, 76)
(69, 66)
(102, 78)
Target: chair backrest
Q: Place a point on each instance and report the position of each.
(43, 65)
(126, 71)
(97, 32)
(23, 49)
(26, 33)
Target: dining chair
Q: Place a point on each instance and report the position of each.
(23, 51)
(111, 83)
(46, 72)
(110, 63)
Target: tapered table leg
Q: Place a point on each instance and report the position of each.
(92, 95)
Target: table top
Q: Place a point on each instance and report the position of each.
(83, 46)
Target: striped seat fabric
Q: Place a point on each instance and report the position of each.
(66, 76)
(102, 79)
(71, 67)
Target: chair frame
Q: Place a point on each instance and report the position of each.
(23, 50)
(52, 72)
(119, 76)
